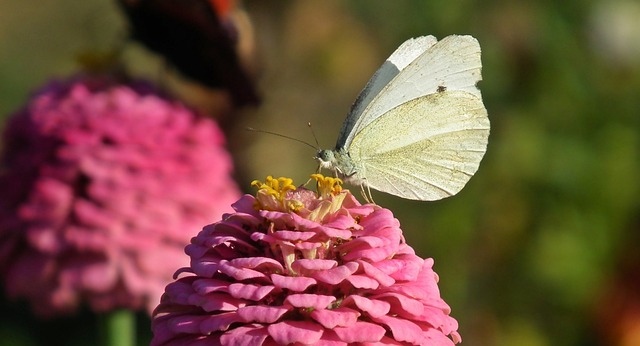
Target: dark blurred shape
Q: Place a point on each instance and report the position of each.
(197, 37)
(617, 311)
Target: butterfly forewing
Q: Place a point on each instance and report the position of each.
(401, 57)
(452, 63)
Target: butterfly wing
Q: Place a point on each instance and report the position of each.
(401, 57)
(450, 64)
(424, 149)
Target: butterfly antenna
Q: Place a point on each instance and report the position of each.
(283, 136)
(314, 135)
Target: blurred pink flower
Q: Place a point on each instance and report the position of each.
(294, 267)
(102, 185)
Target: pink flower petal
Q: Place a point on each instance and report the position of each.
(314, 301)
(206, 268)
(293, 235)
(244, 205)
(410, 269)
(249, 335)
(219, 322)
(437, 338)
(216, 302)
(336, 275)
(249, 292)
(258, 263)
(380, 219)
(425, 287)
(402, 330)
(262, 314)
(376, 273)
(181, 290)
(239, 273)
(185, 324)
(373, 308)
(293, 283)
(389, 265)
(341, 222)
(308, 265)
(306, 247)
(401, 304)
(360, 332)
(289, 332)
(437, 318)
(329, 338)
(387, 341)
(362, 282)
(205, 286)
(331, 318)
(335, 233)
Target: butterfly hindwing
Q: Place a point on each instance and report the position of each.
(425, 149)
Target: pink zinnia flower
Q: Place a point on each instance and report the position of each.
(102, 185)
(294, 267)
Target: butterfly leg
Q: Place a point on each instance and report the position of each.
(366, 194)
(337, 173)
(307, 183)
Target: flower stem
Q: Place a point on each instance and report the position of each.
(117, 328)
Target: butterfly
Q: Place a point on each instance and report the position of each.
(419, 128)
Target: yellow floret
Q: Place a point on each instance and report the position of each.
(327, 186)
(272, 194)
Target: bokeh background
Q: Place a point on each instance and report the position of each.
(540, 248)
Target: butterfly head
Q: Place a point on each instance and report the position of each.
(326, 158)
(339, 162)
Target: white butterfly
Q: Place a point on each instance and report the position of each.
(419, 128)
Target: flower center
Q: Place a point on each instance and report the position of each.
(281, 195)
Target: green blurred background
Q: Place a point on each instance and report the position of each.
(540, 248)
